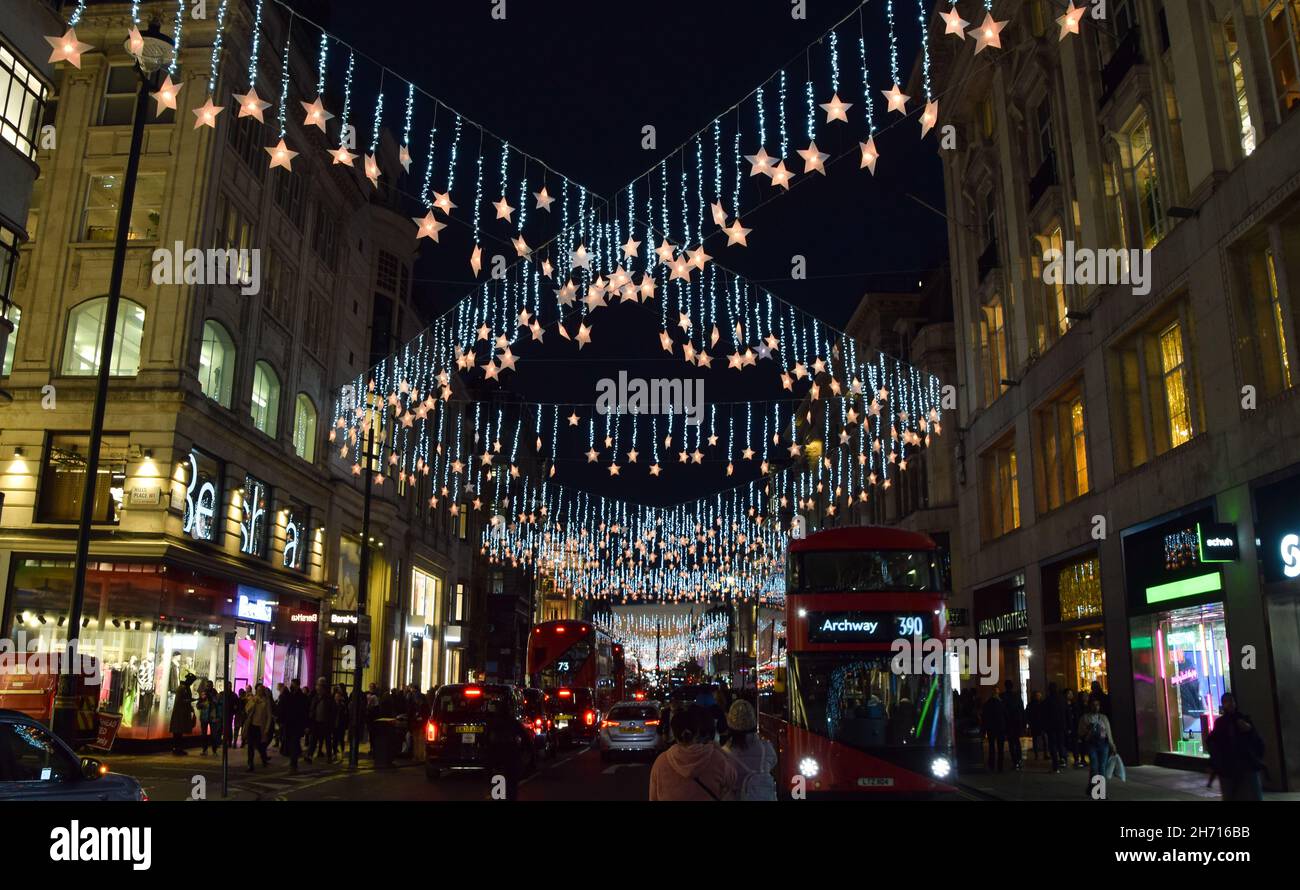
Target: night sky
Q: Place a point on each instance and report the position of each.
(573, 84)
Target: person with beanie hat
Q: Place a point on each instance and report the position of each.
(754, 757)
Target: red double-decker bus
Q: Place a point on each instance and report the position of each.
(851, 718)
(576, 655)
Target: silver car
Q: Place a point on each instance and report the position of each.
(35, 764)
(631, 727)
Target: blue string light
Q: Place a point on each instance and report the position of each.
(178, 23)
(217, 40)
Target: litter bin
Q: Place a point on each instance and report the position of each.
(384, 741)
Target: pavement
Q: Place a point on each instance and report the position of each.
(1035, 781)
(573, 774)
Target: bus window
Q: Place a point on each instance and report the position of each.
(857, 700)
(855, 571)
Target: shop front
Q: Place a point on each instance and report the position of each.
(1179, 635)
(151, 624)
(422, 638)
(1277, 526)
(1002, 614)
(1074, 639)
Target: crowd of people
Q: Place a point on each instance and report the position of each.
(1072, 729)
(303, 724)
(715, 752)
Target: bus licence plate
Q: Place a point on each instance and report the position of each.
(875, 781)
(469, 729)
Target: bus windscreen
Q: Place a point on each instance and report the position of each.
(859, 571)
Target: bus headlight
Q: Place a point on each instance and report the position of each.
(808, 767)
(941, 767)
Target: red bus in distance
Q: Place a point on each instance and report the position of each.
(576, 655)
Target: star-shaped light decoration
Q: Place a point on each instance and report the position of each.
(835, 109)
(315, 114)
(69, 49)
(897, 99)
(372, 170)
(521, 247)
(665, 252)
(681, 269)
(869, 155)
(206, 114)
(476, 260)
(281, 155)
(781, 176)
(573, 418)
(442, 200)
(428, 227)
(504, 210)
(166, 96)
(580, 258)
(666, 341)
(697, 456)
(719, 214)
(736, 234)
(135, 42)
(989, 33)
(1070, 21)
(251, 104)
(566, 294)
(544, 199)
(684, 321)
(404, 158)
(654, 469)
(954, 23)
(547, 268)
(929, 117)
(760, 163)
(584, 335)
(698, 257)
(341, 155)
(813, 159)
(631, 247)
(633, 455)
(647, 288)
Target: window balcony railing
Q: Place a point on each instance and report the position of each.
(1127, 55)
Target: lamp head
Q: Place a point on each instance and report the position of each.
(157, 49)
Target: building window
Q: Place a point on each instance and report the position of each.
(279, 279)
(103, 194)
(63, 478)
(1001, 489)
(987, 122)
(315, 332)
(235, 232)
(386, 271)
(1054, 318)
(21, 97)
(993, 349)
(265, 403)
(289, 196)
(1281, 24)
(325, 237)
(1061, 458)
(217, 363)
(51, 113)
(1046, 143)
(1235, 71)
(304, 428)
(120, 91)
(248, 139)
(1143, 179)
(8, 263)
(1158, 407)
(86, 334)
(1261, 320)
(462, 606)
(462, 522)
(15, 315)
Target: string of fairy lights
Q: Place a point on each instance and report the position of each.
(847, 428)
(667, 639)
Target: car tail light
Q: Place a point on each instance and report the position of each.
(538, 726)
(431, 732)
(566, 693)
(591, 717)
(652, 723)
(606, 724)
(472, 692)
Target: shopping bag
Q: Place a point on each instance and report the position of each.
(1115, 767)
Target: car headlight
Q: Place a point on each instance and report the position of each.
(808, 767)
(941, 767)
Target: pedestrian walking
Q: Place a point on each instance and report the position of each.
(1076, 712)
(257, 720)
(1097, 739)
(1034, 720)
(1100, 694)
(293, 720)
(209, 716)
(321, 717)
(755, 758)
(341, 712)
(693, 768)
(1015, 722)
(993, 722)
(182, 720)
(1236, 753)
(1055, 717)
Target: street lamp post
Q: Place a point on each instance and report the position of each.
(363, 592)
(156, 54)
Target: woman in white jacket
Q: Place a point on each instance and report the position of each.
(754, 757)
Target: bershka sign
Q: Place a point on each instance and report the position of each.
(103, 844)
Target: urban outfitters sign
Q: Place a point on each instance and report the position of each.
(1011, 621)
